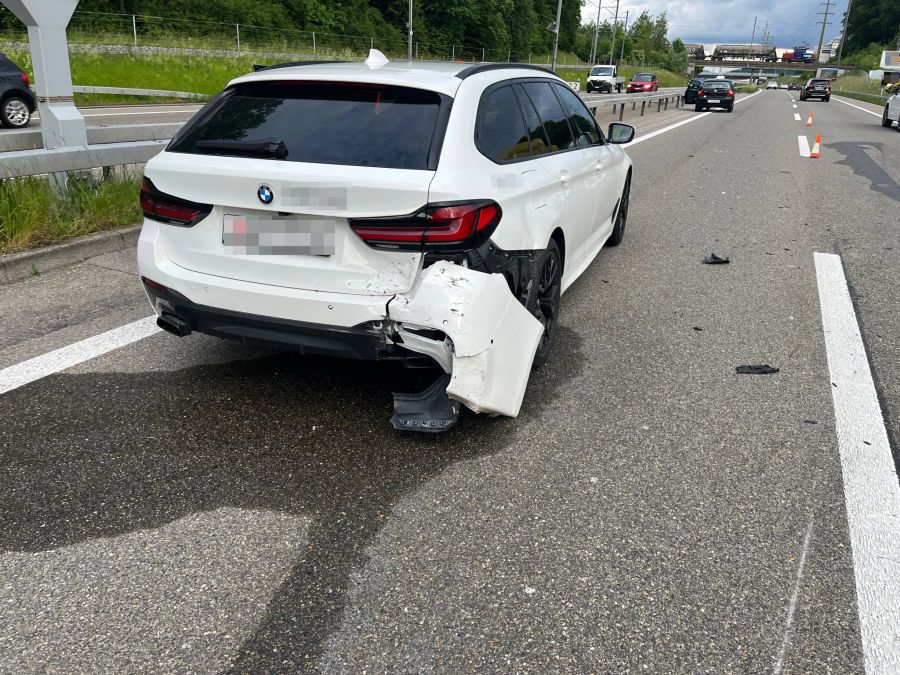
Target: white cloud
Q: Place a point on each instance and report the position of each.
(790, 22)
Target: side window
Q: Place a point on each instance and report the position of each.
(586, 131)
(540, 144)
(551, 114)
(500, 130)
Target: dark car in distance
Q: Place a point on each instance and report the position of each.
(16, 100)
(715, 94)
(793, 86)
(816, 88)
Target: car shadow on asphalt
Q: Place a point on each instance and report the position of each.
(861, 163)
(102, 454)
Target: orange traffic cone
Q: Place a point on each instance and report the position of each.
(815, 150)
(809, 120)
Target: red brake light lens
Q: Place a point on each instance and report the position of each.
(700, 92)
(25, 79)
(729, 93)
(168, 209)
(453, 227)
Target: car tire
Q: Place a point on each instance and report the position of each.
(543, 299)
(14, 112)
(698, 108)
(827, 98)
(618, 232)
(886, 121)
(729, 108)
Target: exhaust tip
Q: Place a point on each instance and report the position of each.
(172, 324)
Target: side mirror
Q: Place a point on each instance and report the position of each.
(620, 133)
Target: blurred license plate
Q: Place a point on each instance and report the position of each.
(277, 235)
(714, 100)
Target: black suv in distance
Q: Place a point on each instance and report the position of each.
(16, 100)
(816, 88)
(715, 94)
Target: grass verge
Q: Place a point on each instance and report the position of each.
(32, 215)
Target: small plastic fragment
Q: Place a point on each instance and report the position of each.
(760, 369)
(429, 411)
(713, 259)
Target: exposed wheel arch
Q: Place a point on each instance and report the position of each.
(560, 240)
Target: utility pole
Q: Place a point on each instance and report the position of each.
(624, 33)
(753, 36)
(844, 31)
(556, 35)
(612, 47)
(596, 34)
(824, 23)
(409, 46)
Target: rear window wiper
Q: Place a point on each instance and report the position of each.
(266, 147)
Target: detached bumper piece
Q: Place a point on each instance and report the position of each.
(430, 411)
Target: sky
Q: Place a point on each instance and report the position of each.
(791, 22)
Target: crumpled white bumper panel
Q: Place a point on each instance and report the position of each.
(494, 336)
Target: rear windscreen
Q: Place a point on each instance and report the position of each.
(333, 123)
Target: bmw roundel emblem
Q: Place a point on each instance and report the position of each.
(265, 194)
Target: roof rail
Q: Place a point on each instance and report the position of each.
(484, 67)
(257, 68)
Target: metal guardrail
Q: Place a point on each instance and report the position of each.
(156, 93)
(619, 102)
(30, 139)
(77, 158)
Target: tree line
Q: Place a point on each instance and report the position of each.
(514, 27)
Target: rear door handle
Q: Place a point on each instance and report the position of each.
(564, 177)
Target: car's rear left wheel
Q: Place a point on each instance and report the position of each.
(618, 232)
(543, 299)
(14, 112)
(885, 120)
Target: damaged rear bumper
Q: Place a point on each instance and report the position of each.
(491, 337)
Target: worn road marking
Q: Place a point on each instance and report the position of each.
(21, 374)
(795, 105)
(871, 490)
(797, 117)
(792, 606)
(653, 134)
(871, 112)
(804, 146)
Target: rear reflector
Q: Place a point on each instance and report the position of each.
(25, 80)
(169, 209)
(154, 284)
(448, 227)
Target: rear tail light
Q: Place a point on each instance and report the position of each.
(700, 92)
(25, 80)
(448, 227)
(729, 93)
(169, 209)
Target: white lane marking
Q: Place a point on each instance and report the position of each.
(21, 374)
(804, 146)
(797, 117)
(653, 134)
(871, 490)
(871, 112)
(792, 606)
(795, 106)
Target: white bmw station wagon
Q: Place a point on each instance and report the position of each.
(379, 210)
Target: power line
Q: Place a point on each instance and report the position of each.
(824, 23)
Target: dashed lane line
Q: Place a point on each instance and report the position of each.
(797, 117)
(871, 112)
(803, 142)
(871, 489)
(28, 371)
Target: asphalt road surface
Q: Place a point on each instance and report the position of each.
(193, 505)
